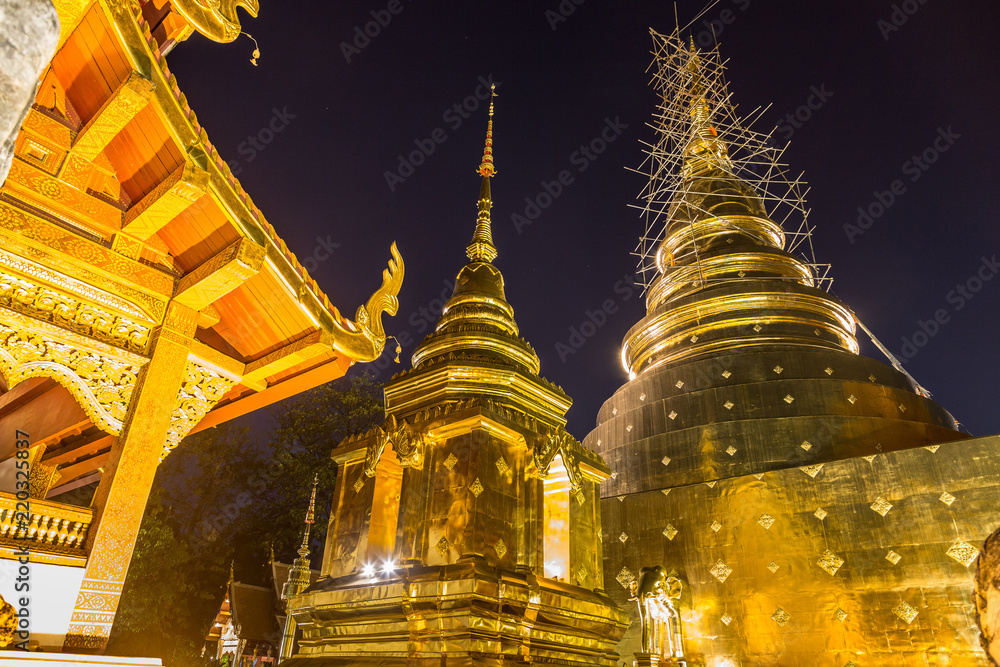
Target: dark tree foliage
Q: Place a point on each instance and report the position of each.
(228, 495)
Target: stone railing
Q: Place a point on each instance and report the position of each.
(49, 525)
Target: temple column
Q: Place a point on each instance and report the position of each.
(121, 496)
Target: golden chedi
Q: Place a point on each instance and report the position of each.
(821, 509)
(465, 528)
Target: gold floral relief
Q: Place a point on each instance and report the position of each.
(52, 306)
(101, 385)
(201, 390)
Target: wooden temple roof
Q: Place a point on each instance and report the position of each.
(117, 189)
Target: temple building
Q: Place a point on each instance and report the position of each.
(251, 618)
(143, 295)
(820, 507)
(465, 530)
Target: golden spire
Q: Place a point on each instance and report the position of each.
(482, 249)
(705, 151)
(310, 519)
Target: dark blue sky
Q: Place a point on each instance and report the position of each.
(350, 112)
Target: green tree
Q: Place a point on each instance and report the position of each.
(228, 495)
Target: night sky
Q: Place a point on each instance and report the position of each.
(347, 113)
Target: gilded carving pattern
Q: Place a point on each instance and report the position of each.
(201, 390)
(31, 229)
(103, 386)
(51, 306)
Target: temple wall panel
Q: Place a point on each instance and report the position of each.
(869, 559)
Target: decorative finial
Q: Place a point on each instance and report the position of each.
(310, 520)
(705, 150)
(482, 249)
(486, 168)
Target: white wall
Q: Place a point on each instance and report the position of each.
(52, 595)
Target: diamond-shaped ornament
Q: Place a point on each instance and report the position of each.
(712, 484)
(642, 397)
(500, 548)
(476, 487)
(806, 445)
(789, 399)
(666, 492)
(812, 470)
(853, 399)
(947, 498)
(623, 538)
(932, 448)
(581, 574)
(905, 612)
(828, 370)
(773, 567)
(840, 615)
(820, 514)
(766, 520)
(665, 460)
(830, 562)
(881, 506)
(670, 532)
(442, 546)
(728, 405)
(625, 578)
(780, 616)
(726, 619)
(757, 328)
(450, 462)
(778, 369)
(871, 377)
(869, 458)
(679, 384)
(672, 415)
(731, 450)
(902, 408)
(716, 526)
(694, 339)
(963, 552)
(893, 557)
(726, 374)
(628, 428)
(358, 485)
(502, 466)
(721, 571)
